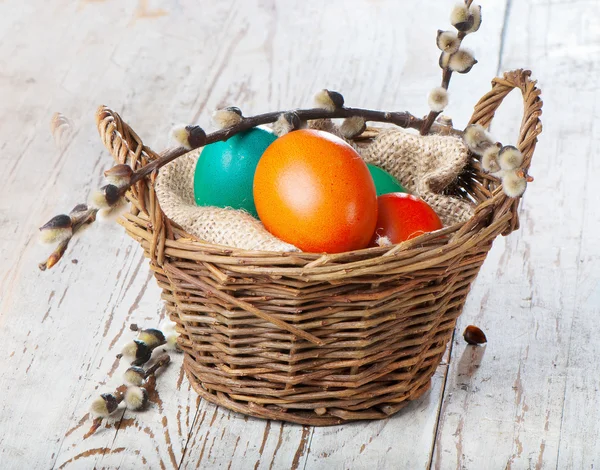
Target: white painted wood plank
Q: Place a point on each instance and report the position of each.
(579, 445)
(224, 439)
(505, 404)
(403, 441)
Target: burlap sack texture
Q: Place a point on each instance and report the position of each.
(425, 165)
(229, 227)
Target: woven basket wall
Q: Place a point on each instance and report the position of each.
(321, 339)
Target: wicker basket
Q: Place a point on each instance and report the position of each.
(321, 339)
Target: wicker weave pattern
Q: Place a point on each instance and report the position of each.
(325, 339)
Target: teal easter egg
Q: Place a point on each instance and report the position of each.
(225, 170)
(384, 182)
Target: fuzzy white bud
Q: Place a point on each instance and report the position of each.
(462, 61)
(330, 100)
(189, 137)
(55, 235)
(286, 122)
(136, 398)
(134, 376)
(447, 41)
(180, 135)
(57, 229)
(172, 340)
(489, 160)
(119, 175)
(477, 138)
(111, 214)
(227, 117)
(445, 121)
(98, 200)
(383, 241)
(167, 326)
(438, 99)
(460, 17)
(129, 350)
(475, 13)
(510, 158)
(152, 337)
(104, 405)
(352, 127)
(138, 351)
(514, 183)
(105, 197)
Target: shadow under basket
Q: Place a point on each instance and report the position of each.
(321, 339)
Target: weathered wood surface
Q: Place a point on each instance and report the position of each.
(526, 400)
(531, 400)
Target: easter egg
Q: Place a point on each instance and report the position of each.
(313, 190)
(384, 182)
(402, 216)
(225, 170)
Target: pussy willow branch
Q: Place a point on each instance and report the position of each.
(150, 386)
(87, 217)
(446, 76)
(401, 119)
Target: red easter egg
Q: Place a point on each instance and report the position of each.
(402, 216)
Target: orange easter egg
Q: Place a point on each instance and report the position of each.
(312, 189)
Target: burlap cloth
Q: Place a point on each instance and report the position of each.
(235, 228)
(425, 165)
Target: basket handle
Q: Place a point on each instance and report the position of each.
(127, 147)
(121, 140)
(531, 126)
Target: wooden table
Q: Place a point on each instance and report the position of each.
(526, 400)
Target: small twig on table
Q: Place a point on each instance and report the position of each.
(135, 394)
(79, 219)
(95, 425)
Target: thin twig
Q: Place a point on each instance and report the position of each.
(95, 425)
(401, 119)
(86, 218)
(160, 362)
(446, 76)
